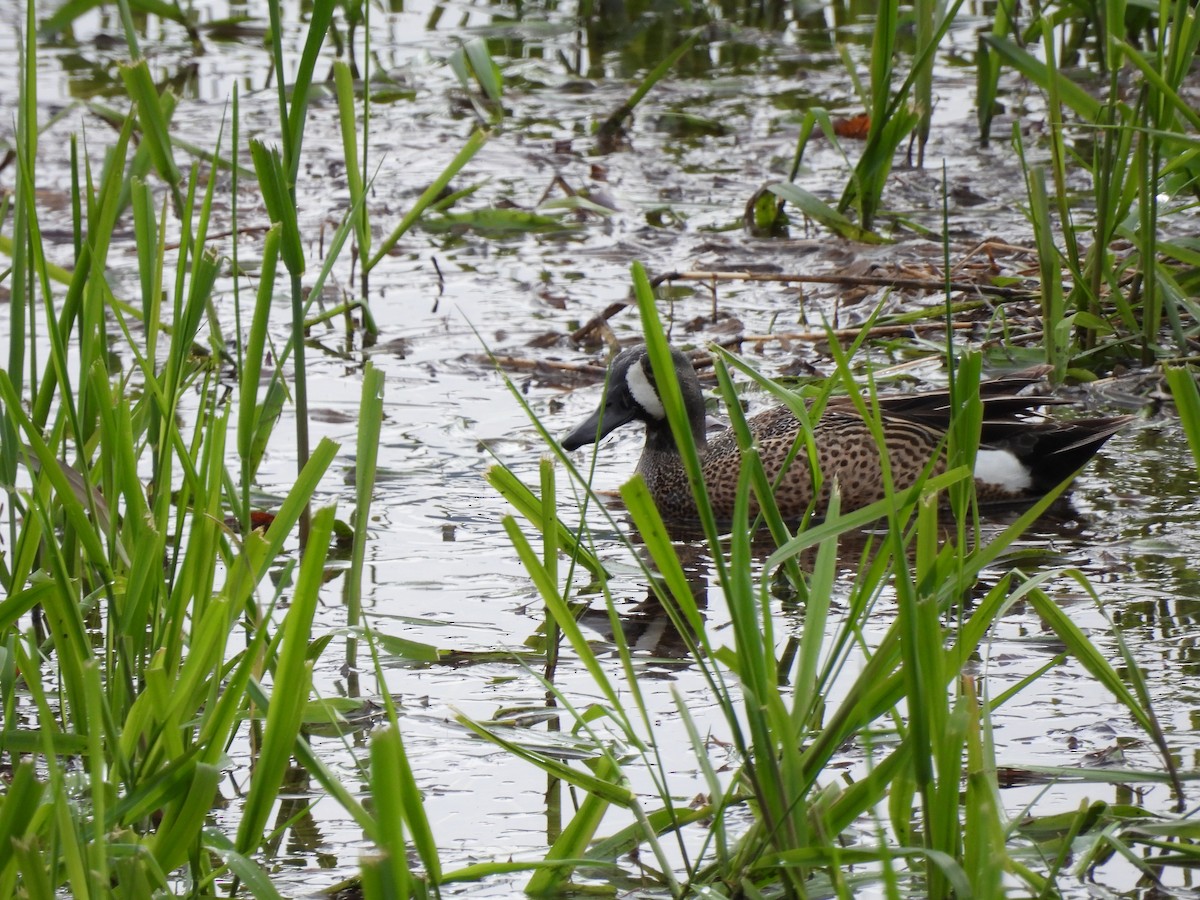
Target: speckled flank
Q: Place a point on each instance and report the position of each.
(914, 427)
(846, 453)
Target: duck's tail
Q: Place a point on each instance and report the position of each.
(1051, 450)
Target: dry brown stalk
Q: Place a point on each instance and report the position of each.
(919, 284)
(875, 330)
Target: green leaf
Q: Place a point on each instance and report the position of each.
(348, 120)
(573, 841)
(1036, 71)
(1182, 381)
(388, 787)
(144, 93)
(528, 505)
(281, 207)
(498, 222)
(406, 649)
(185, 817)
(484, 67)
(22, 799)
(431, 194)
(819, 211)
(255, 351)
(292, 681)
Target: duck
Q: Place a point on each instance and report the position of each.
(1022, 455)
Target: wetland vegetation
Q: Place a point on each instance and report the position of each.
(299, 593)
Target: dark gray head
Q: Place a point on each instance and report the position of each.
(632, 395)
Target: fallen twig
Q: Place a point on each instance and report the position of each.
(874, 330)
(922, 284)
(525, 364)
(919, 284)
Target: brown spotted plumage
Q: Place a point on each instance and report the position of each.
(1021, 456)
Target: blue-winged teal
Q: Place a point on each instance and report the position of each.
(1021, 457)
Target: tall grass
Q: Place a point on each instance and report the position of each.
(1139, 151)
(131, 659)
(896, 113)
(141, 639)
(1134, 138)
(141, 636)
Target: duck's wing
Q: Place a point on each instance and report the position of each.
(1003, 400)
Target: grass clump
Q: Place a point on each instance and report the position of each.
(142, 636)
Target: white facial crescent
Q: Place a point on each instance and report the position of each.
(643, 391)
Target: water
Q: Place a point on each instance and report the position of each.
(439, 567)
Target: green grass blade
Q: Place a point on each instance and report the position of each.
(574, 840)
(1057, 329)
(823, 214)
(140, 85)
(388, 788)
(301, 87)
(516, 492)
(292, 679)
(557, 606)
(1182, 382)
(430, 195)
(49, 466)
(22, 799)
(1036, 71)
(484, 67)
(186, 817)
(595, 784)
(370, 413)
(281, 205)
(612, 125)
(254, 418)
(658, 543)
(1097, 664)
(348, 120)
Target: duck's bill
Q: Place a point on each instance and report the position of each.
(600, 423)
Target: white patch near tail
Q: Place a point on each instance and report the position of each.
(1002, 468)
(643, 391)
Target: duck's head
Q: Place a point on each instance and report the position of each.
(633, 396)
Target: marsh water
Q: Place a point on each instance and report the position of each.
(440, 569)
